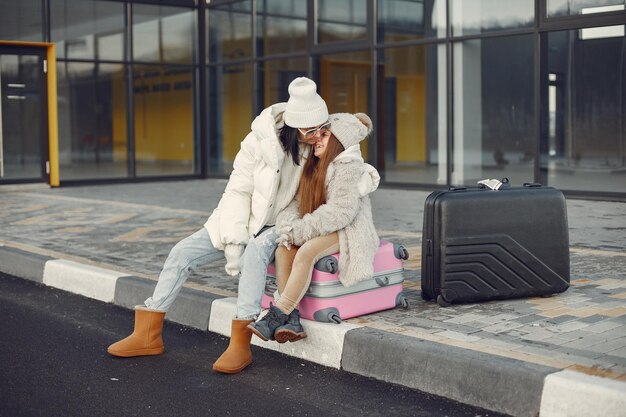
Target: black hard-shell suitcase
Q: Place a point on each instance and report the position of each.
(481, 244)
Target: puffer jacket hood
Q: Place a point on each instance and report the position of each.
(265, 128)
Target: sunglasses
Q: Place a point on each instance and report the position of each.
(308, 134)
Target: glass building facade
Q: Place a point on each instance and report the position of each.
(459, 90)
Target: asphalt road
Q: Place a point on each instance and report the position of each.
(53, 362)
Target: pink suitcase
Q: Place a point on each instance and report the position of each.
(327, 300)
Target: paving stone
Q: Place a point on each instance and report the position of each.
(592, 319)
(477, 324)
(570, 326)
(458, 336)
(604, 326)
(502, 327)
(540, 334)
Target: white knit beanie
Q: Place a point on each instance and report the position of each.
(350, 129)
(305, 107)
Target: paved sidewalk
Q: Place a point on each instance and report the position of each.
(563, 355)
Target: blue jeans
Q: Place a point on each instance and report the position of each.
(197, 250)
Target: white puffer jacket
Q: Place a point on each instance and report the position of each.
(347, 211)
(251, 191)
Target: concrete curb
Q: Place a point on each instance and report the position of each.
(492, 382)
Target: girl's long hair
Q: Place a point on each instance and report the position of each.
(312, 189)
(288, 137)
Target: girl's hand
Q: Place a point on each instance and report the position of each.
(284, 240)
(285, 236)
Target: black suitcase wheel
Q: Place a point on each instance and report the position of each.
(404, 303)
(442, 302)
(425, 296)
(334, 318)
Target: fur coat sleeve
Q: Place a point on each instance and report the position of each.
(340, 209)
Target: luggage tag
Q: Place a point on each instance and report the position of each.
(494, 184)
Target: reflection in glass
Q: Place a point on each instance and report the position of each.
(230, 32)
(92, 120)
(479, 16)
(230, 110)
(344, 83)
(21, 21)
(277, 74)
(414, 120)
(88, 29)
(21, 115)
(576, 7)
(164, 126)
(163, 34)
(586, 140)
(342, 20)
(493, 110)
(281, 26)
(400, 20)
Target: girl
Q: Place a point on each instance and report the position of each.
(331, 213)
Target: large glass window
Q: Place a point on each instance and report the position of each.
(345, 83)
(493, 110)
(21, 21)
(479, 16)
(92, 120)
(230, 108)
(230, 32)
(401, 20)
(586, 137)
(88, 29)
(577, 7)
(277, 74)
(413, 96)
(164, 121)
(163, 34)
(281, 26)
(342, 20)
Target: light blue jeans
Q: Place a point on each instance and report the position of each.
(197, 250)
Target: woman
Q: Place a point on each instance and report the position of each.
(331, 214)
(264, 180)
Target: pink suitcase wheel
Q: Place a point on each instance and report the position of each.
(327, 315)
(400, 252)
(334, 318)
(327, 264)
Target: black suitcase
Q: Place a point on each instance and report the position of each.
(480, 244)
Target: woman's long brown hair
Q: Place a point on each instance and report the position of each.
(312, 190)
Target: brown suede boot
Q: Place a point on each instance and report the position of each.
(146, 339)
(238, 354)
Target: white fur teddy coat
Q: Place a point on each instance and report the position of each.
(347, 210)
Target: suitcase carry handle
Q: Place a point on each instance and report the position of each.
(382, 281)
(532, 184)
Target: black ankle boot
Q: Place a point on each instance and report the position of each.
(291, 331)
(266, 327)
